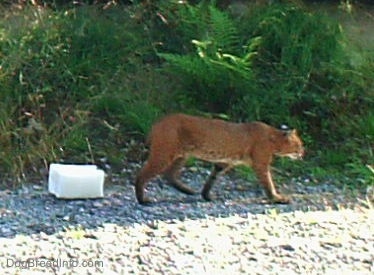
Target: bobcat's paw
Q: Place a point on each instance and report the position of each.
(146, 201)
(207, 197)
(280, 199)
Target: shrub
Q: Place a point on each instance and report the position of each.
(56, 67)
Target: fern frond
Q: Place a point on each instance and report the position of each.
(223, 30)
(191, 65)
(193, 21)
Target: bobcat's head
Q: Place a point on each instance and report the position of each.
(290, 145)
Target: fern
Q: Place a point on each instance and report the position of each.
(193, 21)
(189, 64)
(197, 68)
(203, 22)
(223, 30)
(220, 65)
(216, 39)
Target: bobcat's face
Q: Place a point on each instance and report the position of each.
(291, 146)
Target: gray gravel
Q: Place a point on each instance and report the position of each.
(324, 231)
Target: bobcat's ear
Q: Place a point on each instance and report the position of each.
(284, 127)
(289, 133)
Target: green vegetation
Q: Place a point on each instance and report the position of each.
(78, 83)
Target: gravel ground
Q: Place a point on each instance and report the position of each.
(324, 231)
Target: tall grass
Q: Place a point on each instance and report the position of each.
(59, 71)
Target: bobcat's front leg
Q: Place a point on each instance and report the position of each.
(264, 176)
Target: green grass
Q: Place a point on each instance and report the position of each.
(58, 70)
(78, 83)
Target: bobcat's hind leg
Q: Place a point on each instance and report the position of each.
(142, 178)
(172, 173)
(218, 169)
(150, 170)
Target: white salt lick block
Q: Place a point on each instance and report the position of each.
(69, 181)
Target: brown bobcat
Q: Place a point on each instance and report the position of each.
(176, 137)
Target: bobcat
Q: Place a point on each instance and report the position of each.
(176, 137)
